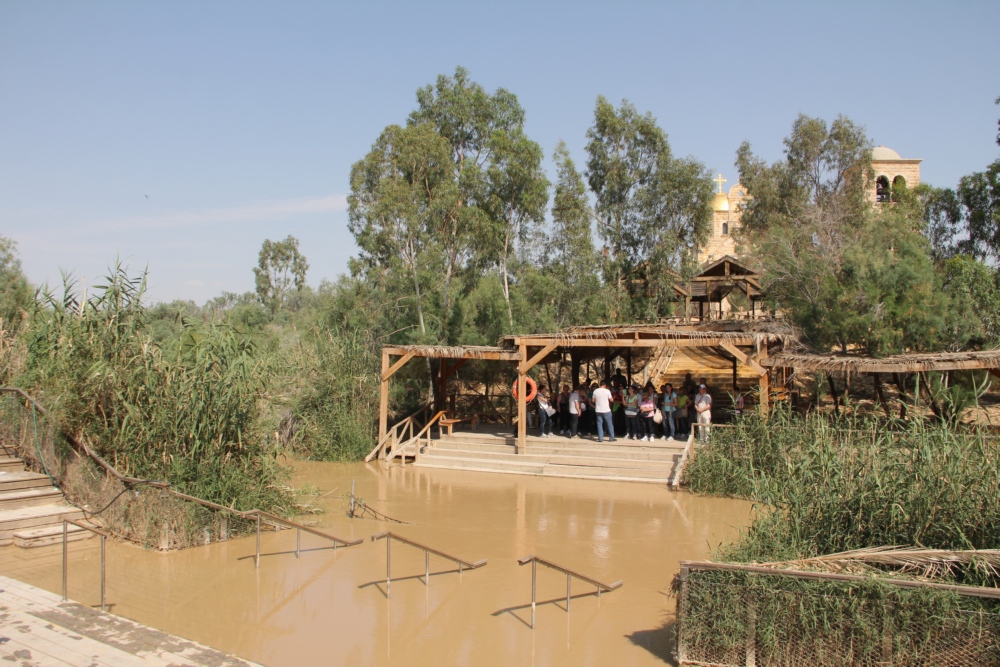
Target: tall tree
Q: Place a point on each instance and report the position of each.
(516, 197)
(847, 273)
(280, 266)
(572, 259)
(402, 195)
(16, 295)
(651, 208)
(469, 119)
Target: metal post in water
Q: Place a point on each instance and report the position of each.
(257, 558)
(65, 530)
(534, 571)
(103, 587)
(298, 542)
(569, 580)
(352, 498)
(388, 565)
(427, 568)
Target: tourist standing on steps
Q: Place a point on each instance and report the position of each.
(632, 413)
(545, 412)
(647, 406)
(681, 415)
(562, 409)
(575, 405)
(703, 406)
(602, 410)
(669, 406)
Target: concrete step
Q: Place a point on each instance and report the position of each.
(14, 520)
(11, 464)
(558, 467)
(642, 461)
(620, 445)
(47, 535)
(23, 480)
(579, 472)
(609, 451)
(29, 497)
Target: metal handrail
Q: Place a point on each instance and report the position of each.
(390, 536)
(65, 559)
(279, 522)
(570, 574)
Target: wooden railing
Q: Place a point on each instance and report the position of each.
(395, 435)
(425, 432)
(389, 537)
(570, 574)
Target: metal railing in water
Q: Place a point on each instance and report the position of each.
(570, 574)
(65, 559)
(389, 537)
(278, 522)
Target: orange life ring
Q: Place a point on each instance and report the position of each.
(532, 390)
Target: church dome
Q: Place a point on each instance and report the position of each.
(720, 202)
(884, 153)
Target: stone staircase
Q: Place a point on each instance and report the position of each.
(557, 456)
(31, 508)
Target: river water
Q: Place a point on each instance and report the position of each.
(330, 608)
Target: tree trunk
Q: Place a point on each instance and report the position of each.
(834, 393)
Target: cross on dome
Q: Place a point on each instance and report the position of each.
(720, 180)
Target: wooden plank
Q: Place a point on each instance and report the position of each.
(522, 411)
(383, 398)
(764, 399)
(743, 357)
(526, 366)
(396, 366)
(713, 341)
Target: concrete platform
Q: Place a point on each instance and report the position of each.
(37, 629)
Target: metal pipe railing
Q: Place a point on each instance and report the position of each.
(278, 522)
(65, 559)
(570, 574)
(389, 537)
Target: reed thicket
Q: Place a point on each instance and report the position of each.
(835, 484)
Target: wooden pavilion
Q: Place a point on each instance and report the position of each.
(716, 281)
(749, 349)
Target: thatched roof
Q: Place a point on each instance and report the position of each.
(616, 335)
(900, 363)
(455, 352)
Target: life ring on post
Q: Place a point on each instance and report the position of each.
(532, 389)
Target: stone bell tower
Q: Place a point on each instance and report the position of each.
(727, 210)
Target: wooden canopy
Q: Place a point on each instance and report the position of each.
(749, 348)
(716, 280)
(900, 363)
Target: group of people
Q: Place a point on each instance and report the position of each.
(640, 413)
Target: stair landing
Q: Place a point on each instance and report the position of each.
(555, 456)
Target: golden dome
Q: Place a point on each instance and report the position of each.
(720, 202)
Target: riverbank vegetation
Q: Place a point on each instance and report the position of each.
(462, 238)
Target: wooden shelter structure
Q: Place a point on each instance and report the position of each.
(988, 360)
(604, 343)
(717, 280)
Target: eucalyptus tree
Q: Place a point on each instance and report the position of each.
(403, 193)
(280, 266)
(473, 122)
(572, 256)
(651, 208)
(516, 197)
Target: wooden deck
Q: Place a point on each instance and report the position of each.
(38, 629)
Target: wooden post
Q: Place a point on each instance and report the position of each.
(522, 411)
(736, 385)
(575, 369)
(383, 398)
(765, 384)
(628, 361)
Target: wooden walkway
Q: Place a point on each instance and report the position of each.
(38, 629)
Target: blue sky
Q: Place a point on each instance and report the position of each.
(241, 120)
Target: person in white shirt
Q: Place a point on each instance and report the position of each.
(602, 406)
(703, 406)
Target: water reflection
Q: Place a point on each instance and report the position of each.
(320, 609)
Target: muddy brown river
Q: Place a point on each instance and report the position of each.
(329, 608)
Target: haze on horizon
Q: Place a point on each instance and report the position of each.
(179, 136)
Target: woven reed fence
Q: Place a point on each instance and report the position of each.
(736, 616)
